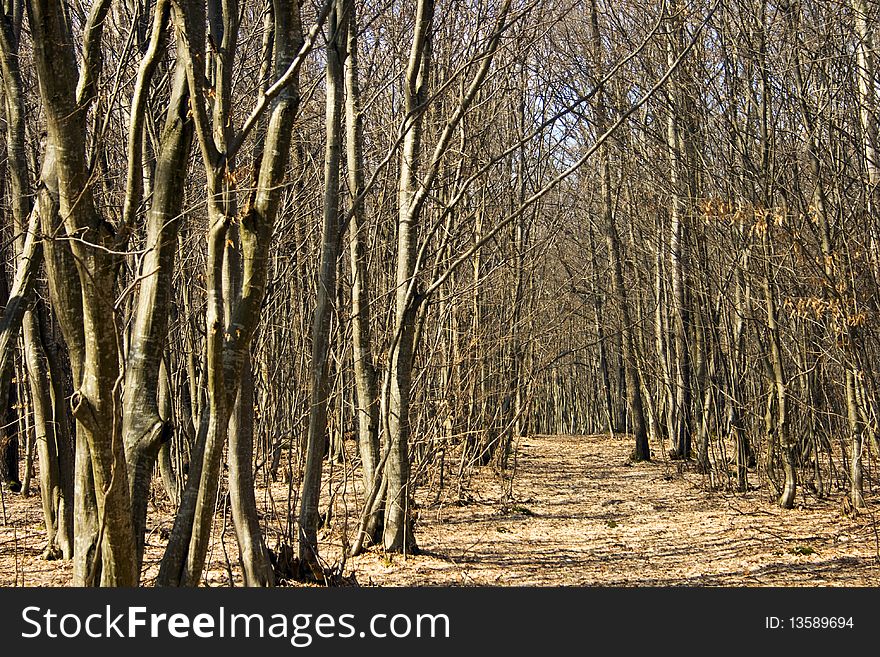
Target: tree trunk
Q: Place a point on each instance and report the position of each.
(681, 365)
(144, 430)
(309, 516)
(642, 451)
(366, 381)
(781, 435)
(397, 535)
(254, 556)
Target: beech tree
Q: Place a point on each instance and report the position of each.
(302, 269)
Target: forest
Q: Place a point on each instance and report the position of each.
(298, 291)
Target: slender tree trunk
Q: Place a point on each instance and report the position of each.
(678, 263)
(867, 115)
(735, 405)
(254, 556)
(170, 476)
(55, 497)
(865, 25)
(309, 516)
(780, 429)
(144, 430)
(857, 430)
(642, 451)
(397, 535)
(51, 438)
(366, 381)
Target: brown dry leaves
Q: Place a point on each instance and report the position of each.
(579, 516)
(582, 517)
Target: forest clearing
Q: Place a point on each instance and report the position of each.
(577, 513)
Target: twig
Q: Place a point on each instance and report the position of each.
(3, 503)
(223, 542)
(378, 478)
(213, 541)
(747, 513)
(876, 536)
(15, 553)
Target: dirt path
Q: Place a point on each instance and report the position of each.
(581, 516)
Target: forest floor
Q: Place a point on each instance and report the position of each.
(575, 513)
